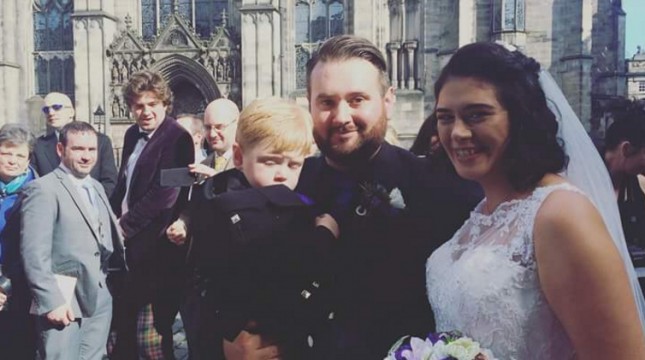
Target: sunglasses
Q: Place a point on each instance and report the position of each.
(54, 107)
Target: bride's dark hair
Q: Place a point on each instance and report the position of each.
(533, 149)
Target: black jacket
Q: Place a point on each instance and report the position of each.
(261, 256)
(379, 262)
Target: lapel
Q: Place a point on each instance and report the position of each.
(50, 150)
(103, 198)
(229, 163)
(76, 198)
(129, 142)
(151, 146)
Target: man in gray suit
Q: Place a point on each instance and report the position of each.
(68, 228)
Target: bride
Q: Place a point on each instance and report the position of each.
(533, 273)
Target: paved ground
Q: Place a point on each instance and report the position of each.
(179, 337)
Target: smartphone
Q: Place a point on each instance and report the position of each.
(177, 177)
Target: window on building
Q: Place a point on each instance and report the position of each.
(641, 86)
(203, 15)
(316, 21)
(54, 46)
(508, 15)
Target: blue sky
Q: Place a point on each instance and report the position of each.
(635, 32)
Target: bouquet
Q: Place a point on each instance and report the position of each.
(440, 346)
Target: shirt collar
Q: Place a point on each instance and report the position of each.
(76, 181)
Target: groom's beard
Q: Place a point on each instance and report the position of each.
(370, 140)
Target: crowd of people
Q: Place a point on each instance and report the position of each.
(500, 224)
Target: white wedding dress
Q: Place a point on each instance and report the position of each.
(484, 283)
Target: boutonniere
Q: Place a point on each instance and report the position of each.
(396, 199)
(375, 197)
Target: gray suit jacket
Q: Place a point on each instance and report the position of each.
(57, 237)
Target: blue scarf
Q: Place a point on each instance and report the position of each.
(8, 196)
(14, 185)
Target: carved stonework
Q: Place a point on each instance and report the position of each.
(176, 39)
(212, 65)
(393, 5)
(81, 24)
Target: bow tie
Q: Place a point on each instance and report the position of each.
(143, 135)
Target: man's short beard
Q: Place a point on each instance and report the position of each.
(366, 147)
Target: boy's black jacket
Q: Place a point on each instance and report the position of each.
(260, 256)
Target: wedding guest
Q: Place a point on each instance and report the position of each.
(624, 156)
(59, 111)
(195, 127)
(427, 142)
(220, 124)
(16, 326)
(67, 230)
(385, 199)
(219, 127)
(534, 273)
(146, 311)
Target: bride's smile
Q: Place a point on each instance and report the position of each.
(473, 127)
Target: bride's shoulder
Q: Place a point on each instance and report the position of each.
(565, 211)
(551, 179)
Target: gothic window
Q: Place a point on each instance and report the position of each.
(508, 15)
(316, 21)
(203, 15)
(148, 18)
(53, 46)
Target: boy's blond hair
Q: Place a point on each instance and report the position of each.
(281, 124)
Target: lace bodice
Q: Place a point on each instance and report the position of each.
(484, 283)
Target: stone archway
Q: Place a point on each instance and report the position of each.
(192, 86)
(187, 99)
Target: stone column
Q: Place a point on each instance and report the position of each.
(394, 47)
(371, 20)
(16, 62)
(261, 50)
(94, 29)
(410, 52)
(467, 17)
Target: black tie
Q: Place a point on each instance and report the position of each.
(144, 135)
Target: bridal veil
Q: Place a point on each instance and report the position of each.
(587, 171)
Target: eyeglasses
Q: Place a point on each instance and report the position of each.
(219, 127)
(54, 107)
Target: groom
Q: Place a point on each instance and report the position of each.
(393, 211)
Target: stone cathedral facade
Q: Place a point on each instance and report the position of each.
(244, 49)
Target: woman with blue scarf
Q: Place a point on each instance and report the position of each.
(16, 333)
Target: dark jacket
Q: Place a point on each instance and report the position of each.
(16, 325)
(380, 260)
(631, 203)
(151, 257)
(263, 258)
(8, 214)
(45, 159)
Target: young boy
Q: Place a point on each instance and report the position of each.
(257, 248)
